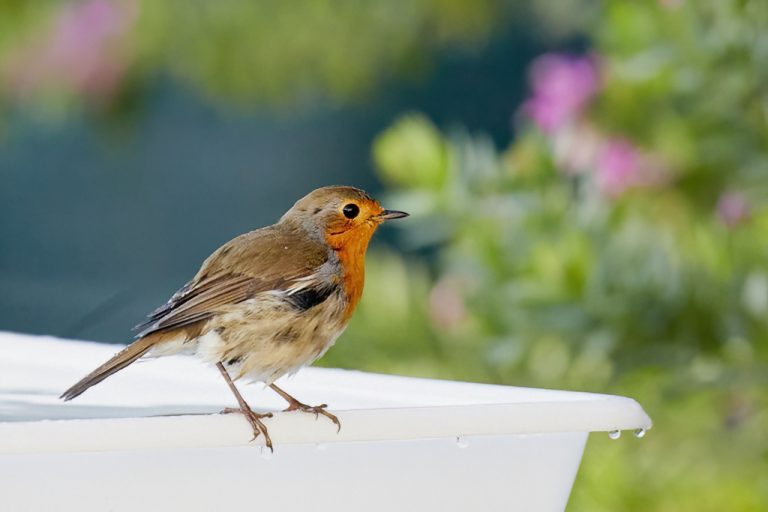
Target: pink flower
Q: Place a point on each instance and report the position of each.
(732, 208)
(671, 4)
(562, 86)
(618, 166)
(446, 304)
(80, 52)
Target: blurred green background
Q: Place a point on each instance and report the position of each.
(587, 181)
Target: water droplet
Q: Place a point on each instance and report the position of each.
(461, 442)
(614, 434)
(639, 433)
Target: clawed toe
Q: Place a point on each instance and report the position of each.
(254, 419)
(331, 417)
(316, 410)
(295, 405)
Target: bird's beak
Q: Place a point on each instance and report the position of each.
(391, 214)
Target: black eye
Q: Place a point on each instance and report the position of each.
(351, 210)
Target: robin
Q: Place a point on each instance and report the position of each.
(268, 302)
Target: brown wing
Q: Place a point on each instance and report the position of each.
(266, 259)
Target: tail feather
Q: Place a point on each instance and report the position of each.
(119, 361)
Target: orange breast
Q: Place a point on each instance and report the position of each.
(350, 248)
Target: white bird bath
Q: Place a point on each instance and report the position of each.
(148, 438)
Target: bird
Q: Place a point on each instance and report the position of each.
(268, 302)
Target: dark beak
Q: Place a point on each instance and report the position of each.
(391, 214)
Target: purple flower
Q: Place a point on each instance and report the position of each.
(81, 51)
(562, 85)
(732, 208)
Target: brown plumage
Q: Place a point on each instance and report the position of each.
(269, 301)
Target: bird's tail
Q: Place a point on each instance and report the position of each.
(119, 361)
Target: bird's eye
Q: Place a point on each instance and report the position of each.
(351, 210)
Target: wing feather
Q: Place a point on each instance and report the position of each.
(262, 260)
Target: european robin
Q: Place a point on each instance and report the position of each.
(268, 302)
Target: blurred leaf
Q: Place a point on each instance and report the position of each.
(411, 153)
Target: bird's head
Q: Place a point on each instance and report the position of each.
(340, 215)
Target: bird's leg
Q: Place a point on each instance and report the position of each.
(295, 405)
(253, 418)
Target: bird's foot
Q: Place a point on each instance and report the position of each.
(254, 419)
(295, 405)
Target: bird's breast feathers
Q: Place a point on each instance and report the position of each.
(276, 332)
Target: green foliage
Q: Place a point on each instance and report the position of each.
(691, 81)
(641, 280)
(412, 153)
(262, 52)
(255, 50)
(657, 288)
